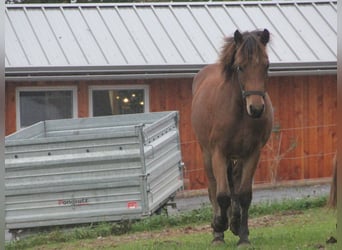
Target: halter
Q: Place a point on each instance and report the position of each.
(248, 92)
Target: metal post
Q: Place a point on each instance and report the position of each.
(144, 196)
(2, 125)
(339, 121)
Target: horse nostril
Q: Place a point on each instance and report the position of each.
(256, 111)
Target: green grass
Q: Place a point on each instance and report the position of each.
(302, 224)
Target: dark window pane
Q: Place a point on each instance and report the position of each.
(115, 102)
(38, 106)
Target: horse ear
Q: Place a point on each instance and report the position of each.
(237, 37)
(265, 37)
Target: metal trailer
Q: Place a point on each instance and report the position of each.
(87, 170)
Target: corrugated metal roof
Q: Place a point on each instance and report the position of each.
(163, 37)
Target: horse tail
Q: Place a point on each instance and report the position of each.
(332, 202)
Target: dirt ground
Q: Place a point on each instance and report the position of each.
(112, 241)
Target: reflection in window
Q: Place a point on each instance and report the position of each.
(118, 101)
(38, 106)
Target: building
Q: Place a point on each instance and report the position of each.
(80, 60)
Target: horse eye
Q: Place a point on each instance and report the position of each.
(239, 69)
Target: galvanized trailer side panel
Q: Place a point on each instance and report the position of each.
(90, 170)
(74, 187)
(163, 160)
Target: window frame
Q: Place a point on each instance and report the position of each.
(145, 88)
(73, 89)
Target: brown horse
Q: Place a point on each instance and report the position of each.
(232, 117)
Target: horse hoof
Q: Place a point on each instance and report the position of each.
(218, 238)
(244, 244)
(218, 241)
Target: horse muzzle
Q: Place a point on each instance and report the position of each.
(255, 103)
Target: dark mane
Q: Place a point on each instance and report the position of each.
(235, 54)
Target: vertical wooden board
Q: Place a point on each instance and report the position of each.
(320, 126)
(323, 120)
(301, 138)
(308, 122)
(83, 99)
(10, 108)
(321, 140)
(153, 93)
(296, 139)
(311, 170)
(293, 146)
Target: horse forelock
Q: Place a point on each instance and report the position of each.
(250, 50)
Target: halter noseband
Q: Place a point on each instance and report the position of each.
(251, 92)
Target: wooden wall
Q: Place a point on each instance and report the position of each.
(304, 128)
(302, 143)
(304, 136)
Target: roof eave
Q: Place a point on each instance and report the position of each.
(303, 68)
(149, 71)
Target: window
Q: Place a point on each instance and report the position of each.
(39, 104)
(118, 100)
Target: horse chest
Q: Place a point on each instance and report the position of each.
(243, 140)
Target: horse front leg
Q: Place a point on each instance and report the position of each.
(244, 195)
(234, 178)
(220, 222)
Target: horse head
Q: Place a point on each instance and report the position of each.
(246, 63)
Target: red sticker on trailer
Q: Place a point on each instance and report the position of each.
(132, 204)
